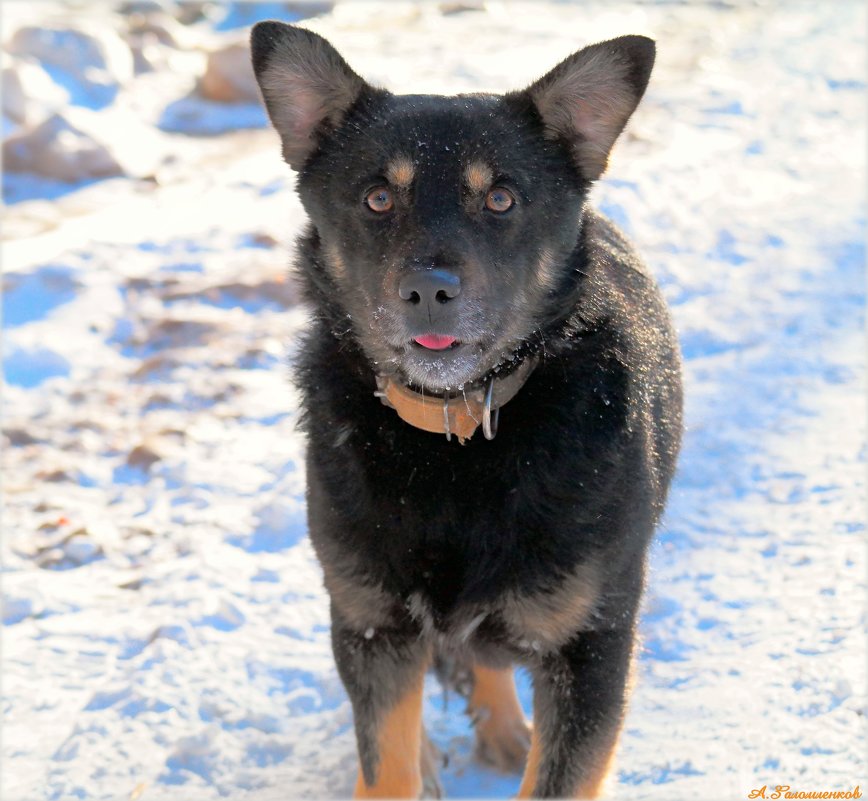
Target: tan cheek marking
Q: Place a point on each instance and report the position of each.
(399, 741)
(401, 172)
(335, 261)
(548, 619)
(478, 176)
(546, 269)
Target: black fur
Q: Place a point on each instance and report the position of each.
(433, 534)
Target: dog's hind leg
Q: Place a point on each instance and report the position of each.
(384, 672)
(502, 733)
(579, 701)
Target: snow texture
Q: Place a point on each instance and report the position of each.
(166, 631)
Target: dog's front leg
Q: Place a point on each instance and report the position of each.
(578, 708)
(383, 671)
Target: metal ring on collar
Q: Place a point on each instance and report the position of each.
(489, 420)
(446, 428)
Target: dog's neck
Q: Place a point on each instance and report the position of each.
(458, 413)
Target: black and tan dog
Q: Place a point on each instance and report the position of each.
(460, 285)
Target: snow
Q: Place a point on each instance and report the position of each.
(166, 634)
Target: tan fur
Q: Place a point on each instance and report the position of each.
(421, 613)
(596, 773)
(401, 172)
(546, 269)
(531, 770)
(362, 605)
(592, 98)
(478, 176)
(502, 733)
(335, 260)
(399, 742)
(546, 620)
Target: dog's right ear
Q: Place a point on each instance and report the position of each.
(587, 99)
(306, 85)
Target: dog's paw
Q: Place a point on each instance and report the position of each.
(503, 744)
(430, 761)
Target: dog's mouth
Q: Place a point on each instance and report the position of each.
(438, 361)
(436, 342)
(436, 357)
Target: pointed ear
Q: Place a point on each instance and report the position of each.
(305, 83)
(587, 99)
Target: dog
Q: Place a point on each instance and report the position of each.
(492, 398)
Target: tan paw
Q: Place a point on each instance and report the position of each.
(503, 744)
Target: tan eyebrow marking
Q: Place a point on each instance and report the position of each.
(400, 172)
(478, 176)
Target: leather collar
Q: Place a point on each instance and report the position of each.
(456, 413)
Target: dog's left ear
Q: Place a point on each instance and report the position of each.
(587, 99)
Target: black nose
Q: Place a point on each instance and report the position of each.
(425, 287)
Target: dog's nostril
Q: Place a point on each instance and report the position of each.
(429, 286)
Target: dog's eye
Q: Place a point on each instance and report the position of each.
(499, 200)
(380, 199)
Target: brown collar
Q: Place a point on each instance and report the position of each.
(458, 414)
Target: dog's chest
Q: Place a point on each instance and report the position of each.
(517, 620)
(476, 629)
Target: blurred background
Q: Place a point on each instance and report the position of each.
(166, 634)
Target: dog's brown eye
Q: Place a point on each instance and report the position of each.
(380, 199)
(499, 200)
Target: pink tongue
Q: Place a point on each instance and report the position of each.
(435, 342)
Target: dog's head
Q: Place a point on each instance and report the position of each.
(445, 224)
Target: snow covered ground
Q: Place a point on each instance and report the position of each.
(165, 629)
